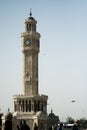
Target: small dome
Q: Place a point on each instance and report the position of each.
(51, 115)
(8, 115)
(31, 19)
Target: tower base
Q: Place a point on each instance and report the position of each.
(31, 119)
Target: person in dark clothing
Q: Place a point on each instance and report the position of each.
(25, 126)
(76, 126)
(35, 127)
(8, 125)
(61, 126)
(50, 128)
(19, 127)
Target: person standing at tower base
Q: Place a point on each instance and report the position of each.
(76, 126)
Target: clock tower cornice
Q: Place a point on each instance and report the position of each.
(30, 34)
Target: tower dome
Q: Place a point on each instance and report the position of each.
(30, 24)
(8, 116)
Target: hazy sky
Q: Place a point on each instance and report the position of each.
(63, 53)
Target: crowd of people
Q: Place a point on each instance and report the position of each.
(76, 126)
(24, 126)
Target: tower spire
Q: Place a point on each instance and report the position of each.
(30, 12)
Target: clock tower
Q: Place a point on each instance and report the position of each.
(30, 49)
(30, 106)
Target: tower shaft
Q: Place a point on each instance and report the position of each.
(30, 48)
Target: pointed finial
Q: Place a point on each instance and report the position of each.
(30, 12)
(51, 110)
(8, 110)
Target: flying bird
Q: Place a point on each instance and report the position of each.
(73, 101)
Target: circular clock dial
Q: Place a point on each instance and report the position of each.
(27, 42)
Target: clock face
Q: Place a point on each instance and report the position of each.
(27, 42)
